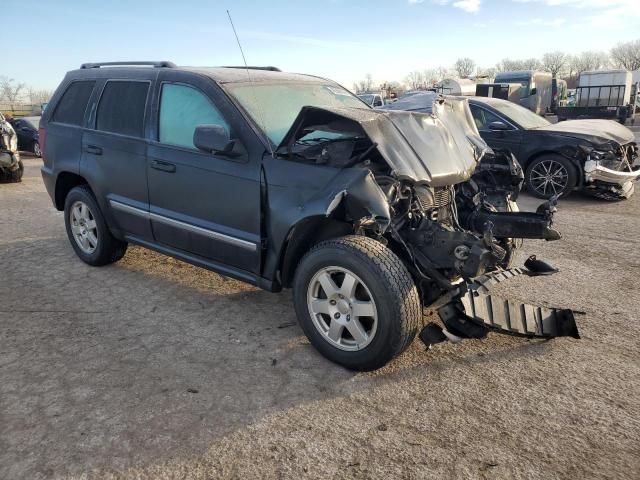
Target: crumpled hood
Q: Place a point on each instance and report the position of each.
(594, 131)
(439, 149)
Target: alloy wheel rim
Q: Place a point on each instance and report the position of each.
(549, 177)
(83, 227)
(36, 150)
(342, 308)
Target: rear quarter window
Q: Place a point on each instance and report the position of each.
(73, 104)
(121, 108)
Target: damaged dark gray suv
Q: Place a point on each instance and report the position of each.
(290, 181)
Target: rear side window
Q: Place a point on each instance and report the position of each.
(73, 103)
(121, 108)
(182, 109)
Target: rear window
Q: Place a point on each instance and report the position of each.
(121, 108)
(73, 103)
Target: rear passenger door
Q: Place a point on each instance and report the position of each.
(203, 203)
(114, 154)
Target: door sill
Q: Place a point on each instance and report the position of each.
(199, 261)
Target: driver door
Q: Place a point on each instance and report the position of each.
(203, 204)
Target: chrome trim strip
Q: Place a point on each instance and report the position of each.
(184, 226)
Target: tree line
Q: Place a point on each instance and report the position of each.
(625, 55)
(15, 94)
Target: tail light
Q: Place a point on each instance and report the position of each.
(42, 136)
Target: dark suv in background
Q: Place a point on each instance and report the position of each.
(287, 180)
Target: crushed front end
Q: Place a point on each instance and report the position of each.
(611, 170)
(432, 191)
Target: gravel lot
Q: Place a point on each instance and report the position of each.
(151, 368)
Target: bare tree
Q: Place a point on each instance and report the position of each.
(431, 76)
(487, 72)
(587, 61)
(38, 97)
(415, 80)
(554, 62)
(465, 67)
(362, 86)
(627, 55)
(10, 91)
(508, 65)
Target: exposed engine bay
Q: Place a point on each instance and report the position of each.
(430, 188)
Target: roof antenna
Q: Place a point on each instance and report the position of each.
(255, 98)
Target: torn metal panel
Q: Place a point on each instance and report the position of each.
(439, 149)
(513, 317)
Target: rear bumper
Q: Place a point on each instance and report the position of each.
(49, 180)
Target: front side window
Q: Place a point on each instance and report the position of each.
(274, 106)
(121, 108)
(483, 117)
(519, 115)
(182, 109)
(72, 105)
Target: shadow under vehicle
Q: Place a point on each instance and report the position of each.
(289, 181)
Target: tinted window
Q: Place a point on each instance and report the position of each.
(483, 117)
(121, 108)
(182, 109)
(73, 103)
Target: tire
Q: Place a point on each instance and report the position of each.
(36, 149)
(99, 247)
(381, 279)
(555, 163)
(14, 176)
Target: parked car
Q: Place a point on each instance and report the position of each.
(368, 215)
(11, 167)
(596, 156)
(27, 130)
(372, 99)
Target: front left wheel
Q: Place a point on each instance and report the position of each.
(356, 302)
(87, 230)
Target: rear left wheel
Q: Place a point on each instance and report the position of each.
(87, 230)
(36, 149)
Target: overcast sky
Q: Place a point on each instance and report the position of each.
(339, 39)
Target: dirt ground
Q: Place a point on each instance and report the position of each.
(154, 369)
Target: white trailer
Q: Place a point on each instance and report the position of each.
(457, 86)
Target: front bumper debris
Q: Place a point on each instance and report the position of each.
(594, 170)
(474, 312)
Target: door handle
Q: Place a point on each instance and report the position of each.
(93, 150)
(163, 166)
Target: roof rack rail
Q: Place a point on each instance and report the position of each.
(270, 69)
(163, 64)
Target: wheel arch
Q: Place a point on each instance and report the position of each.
(66, 181)
(303, 236)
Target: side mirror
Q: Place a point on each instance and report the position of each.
(533, 91)
(498, 126)
(213, 139)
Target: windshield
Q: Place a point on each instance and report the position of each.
(274, 107)
(368, 99)
(520, 115)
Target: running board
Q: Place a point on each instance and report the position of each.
(476, 312)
